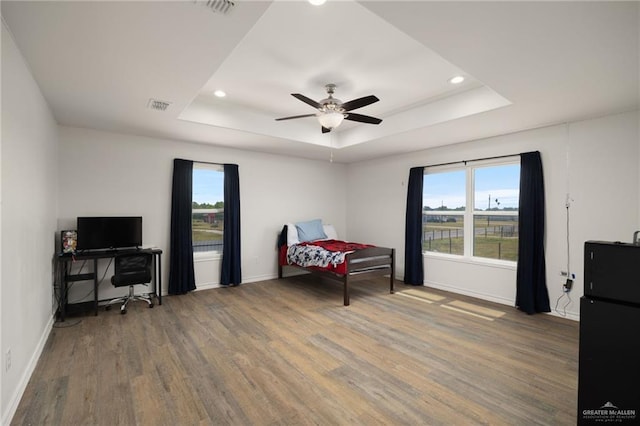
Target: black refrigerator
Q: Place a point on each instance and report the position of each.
(609, 360)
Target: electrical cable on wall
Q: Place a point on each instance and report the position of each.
(564, 308)
(570, 276)
(568, 284)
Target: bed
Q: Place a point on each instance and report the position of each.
(319, 251)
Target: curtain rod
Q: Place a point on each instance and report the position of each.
(469, 161)
(203, 162)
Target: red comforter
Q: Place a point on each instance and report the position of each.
(330, 245)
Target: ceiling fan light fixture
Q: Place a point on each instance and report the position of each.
(331, 111)
(331, 120)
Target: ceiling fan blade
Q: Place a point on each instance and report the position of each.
(362, 118)
(306, 100)
(295, 116)
(360, 102)
(325, 129)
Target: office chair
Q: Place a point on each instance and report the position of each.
(131, 269)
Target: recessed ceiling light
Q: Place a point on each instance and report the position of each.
(220, 93)
(317, 2)
(456, 80)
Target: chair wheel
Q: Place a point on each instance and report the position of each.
(123, 311)
(150, 305)
(107, 308)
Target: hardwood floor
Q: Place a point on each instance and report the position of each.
(287, 352)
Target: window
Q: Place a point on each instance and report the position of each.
(444, 202)
(472, 210)
(207, 210)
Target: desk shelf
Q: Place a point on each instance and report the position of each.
(80, 277)
(79, 307)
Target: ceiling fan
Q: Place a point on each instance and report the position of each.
(331, 111)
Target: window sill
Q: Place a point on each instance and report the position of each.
(200, 256)
(480, 261)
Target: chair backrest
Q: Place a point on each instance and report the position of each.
(131, 269)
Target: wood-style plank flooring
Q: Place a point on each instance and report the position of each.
(286, 352)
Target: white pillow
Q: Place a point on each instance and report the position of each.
(330, 231)
(292, 234)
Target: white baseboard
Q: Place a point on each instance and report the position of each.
(208, 286)
(258, 278)
(14, 401)
(491, 298)
(458, 290)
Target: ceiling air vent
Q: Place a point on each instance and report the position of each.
(158, 105)
(218, 6)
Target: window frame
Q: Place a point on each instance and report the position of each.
(470, 213)
(209, 254)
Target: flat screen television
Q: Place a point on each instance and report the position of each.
(109, 232)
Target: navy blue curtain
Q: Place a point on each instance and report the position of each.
(413, 262)
(181, 276)
(531, 294)
(231, 273)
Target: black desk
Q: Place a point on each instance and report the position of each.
(64, 278)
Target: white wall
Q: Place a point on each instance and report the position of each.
(29, 203)
(112, 174)
(50, 175)
(594, 161)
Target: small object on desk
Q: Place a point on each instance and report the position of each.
(69, 240)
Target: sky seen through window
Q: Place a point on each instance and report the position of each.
(208, 185)
(495, 186)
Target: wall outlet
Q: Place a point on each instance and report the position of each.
(7, 360)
